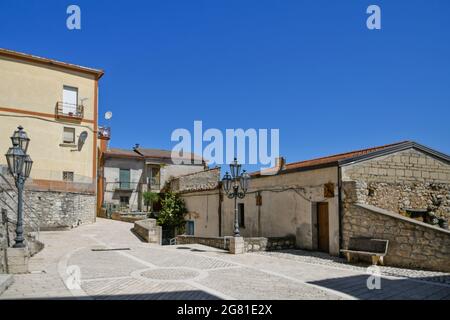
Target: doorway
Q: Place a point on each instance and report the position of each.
(323, 228)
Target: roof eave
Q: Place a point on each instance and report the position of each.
(98, 73)
(389, 150)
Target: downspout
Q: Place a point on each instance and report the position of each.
(220, 208)
(340, 206)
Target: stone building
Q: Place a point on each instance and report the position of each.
(325, 201)
(127, 174)
(57, 104)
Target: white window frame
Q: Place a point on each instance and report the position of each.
(64, 135)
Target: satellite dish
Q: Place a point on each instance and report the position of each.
(82, 139)
(108, 115)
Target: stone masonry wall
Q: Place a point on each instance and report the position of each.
(412, 244)
(251, 244)
(3, 246)
(56, 209)
(215, 242)
(203, 180)
(407, 179)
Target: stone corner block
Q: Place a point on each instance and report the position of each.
(18, 259)
(237, 245)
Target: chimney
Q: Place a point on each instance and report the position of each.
(279, 163)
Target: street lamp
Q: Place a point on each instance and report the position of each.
(19, 165)
(231, 185)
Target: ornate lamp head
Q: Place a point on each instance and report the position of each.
(20, 138)
(226, 183)
(16, 159)
(244, 181)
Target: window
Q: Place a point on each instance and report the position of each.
(153, 176)
(241, 215)
(69, 135)
(70, 100)
(190, 228)
(68, 176)
(124, 201)
(124, 179)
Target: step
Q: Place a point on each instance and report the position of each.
(6, 280)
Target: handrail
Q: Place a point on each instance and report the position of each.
(32, 215)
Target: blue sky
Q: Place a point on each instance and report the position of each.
(310, 68)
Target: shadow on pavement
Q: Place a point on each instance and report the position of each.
(390, 289)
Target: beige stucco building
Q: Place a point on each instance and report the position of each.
(322, 203)
(127, 174)
(57, 104)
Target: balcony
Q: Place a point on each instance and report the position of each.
(104, 133)
(68, 111)
(125, 186)
(134, 186)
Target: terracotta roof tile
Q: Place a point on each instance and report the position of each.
(147, 153)
(337, 157)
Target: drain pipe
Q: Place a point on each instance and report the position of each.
(340, 206)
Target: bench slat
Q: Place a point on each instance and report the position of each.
(365, 253)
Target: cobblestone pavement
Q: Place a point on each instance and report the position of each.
(112, 263)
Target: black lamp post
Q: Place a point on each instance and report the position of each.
(231, 185)
(19, 165)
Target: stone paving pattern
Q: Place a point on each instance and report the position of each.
(147, 272)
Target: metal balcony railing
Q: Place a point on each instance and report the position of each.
(104, 132)
(69, 111)
(132, 186)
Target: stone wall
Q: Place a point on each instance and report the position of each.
(412, 244)
(54, 209)
(131, 218)
(250, 244)
(148, 230)
(407, 179)
(215, 242)
(268, 244)
(3, 246)
(199, 181)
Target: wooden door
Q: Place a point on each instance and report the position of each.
(323, 227)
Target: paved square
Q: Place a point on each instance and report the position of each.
(144, 271)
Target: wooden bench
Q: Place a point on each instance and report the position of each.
(376, 248)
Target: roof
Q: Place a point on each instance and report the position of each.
(351, 157)
(338, 157)
(50, 62)
(144, 153)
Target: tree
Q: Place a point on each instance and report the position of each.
(172, 211)
(150, 198)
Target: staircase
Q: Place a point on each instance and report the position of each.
(8, 221)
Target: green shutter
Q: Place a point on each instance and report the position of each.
(124, 178)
